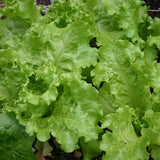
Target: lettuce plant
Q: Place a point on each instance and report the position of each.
(86, 73)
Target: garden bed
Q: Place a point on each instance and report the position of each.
(154, 8)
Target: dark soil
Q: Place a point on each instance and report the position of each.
(154, 4)
(45, 2)
(154, 8)
(58, 154)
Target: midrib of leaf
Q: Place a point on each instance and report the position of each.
(124, 78)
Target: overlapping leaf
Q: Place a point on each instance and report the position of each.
(15, 143)
(84, 60)
(121, 141)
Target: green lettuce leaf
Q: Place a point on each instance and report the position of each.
(90, 149)
(121, 142)
(125, 19)
(154, 27)
(64, 13)
(50, 80)
(85, 60)
(15, 143)
(155, 152)
(11, 78)
(19, 9)
(121, 67)
(151, 131)
(68, 118)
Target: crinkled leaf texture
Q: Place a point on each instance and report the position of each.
(155, 152)
(121, 142)
(15, 143)
(54, 92)
(120, 68)
(152, 130)
(83, 68)
(52, 96)
(90, 149)
(72, 116)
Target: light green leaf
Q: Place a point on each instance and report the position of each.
(152, 132)
(122, 141)
(154, 26)
(21, 9)
(64, 13)
(63, 72)
(121, 67)
(155, 152)
(90, 149)
(72, 116)
(154, 41)
(121, 18)
(76, 115)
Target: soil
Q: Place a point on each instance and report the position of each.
(154, 4)
(154, 8)
(58, 154)
(45, 2)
